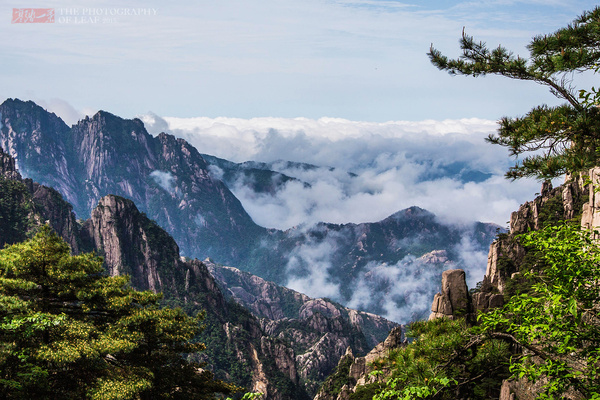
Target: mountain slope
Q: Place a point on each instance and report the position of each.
(319, 330)
(105, 154)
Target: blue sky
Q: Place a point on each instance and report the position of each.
(362, 60)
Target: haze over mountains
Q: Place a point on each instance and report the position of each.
(389, 267)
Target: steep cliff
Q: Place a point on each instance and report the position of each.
(352, 372)
(105, 154)
(237, 347)
(507, 257)
(318, 330)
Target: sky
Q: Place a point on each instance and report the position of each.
(361, 60)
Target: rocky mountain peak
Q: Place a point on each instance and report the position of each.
(131, 244)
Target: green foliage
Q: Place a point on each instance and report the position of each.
(557, 321)
(563, 138)
(552, 211)
(442, 361)
(15, 209)
(339, 377)
(69, 332)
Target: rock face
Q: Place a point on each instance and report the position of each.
(506, 255)
(453, 300)
(131, 245)
(270, 301)
(553, 204)
(318, 330)
(104, 154)
(354, 371)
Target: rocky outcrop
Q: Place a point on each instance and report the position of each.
(453, 300)
(319, 330)
(117, 228)
(268, 300)
(352, 371)
(506, 255)
(590, 218)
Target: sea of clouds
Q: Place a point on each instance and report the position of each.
(395, 165)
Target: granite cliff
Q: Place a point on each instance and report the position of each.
(319, 330)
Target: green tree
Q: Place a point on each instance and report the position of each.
(563, 138)
(444, 361)
(68, 331)
(557, 322)
(15, 209)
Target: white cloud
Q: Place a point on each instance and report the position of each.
(397, 164)
(356, 59)
(403, 291)
(308, 270)
(164, 179)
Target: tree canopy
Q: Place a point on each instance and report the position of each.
(558, 140)
(68, 331)
(557, 321)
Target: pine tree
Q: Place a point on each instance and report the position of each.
(565, 138)
(68, 331)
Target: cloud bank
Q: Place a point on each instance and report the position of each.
(445, 167)
(355, 172)
(164, 179)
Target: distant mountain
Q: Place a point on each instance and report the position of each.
(260, 177)
(182, 191)
(166, 177)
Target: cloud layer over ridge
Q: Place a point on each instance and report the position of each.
(445, 167)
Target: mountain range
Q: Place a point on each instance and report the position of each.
(187, 194)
